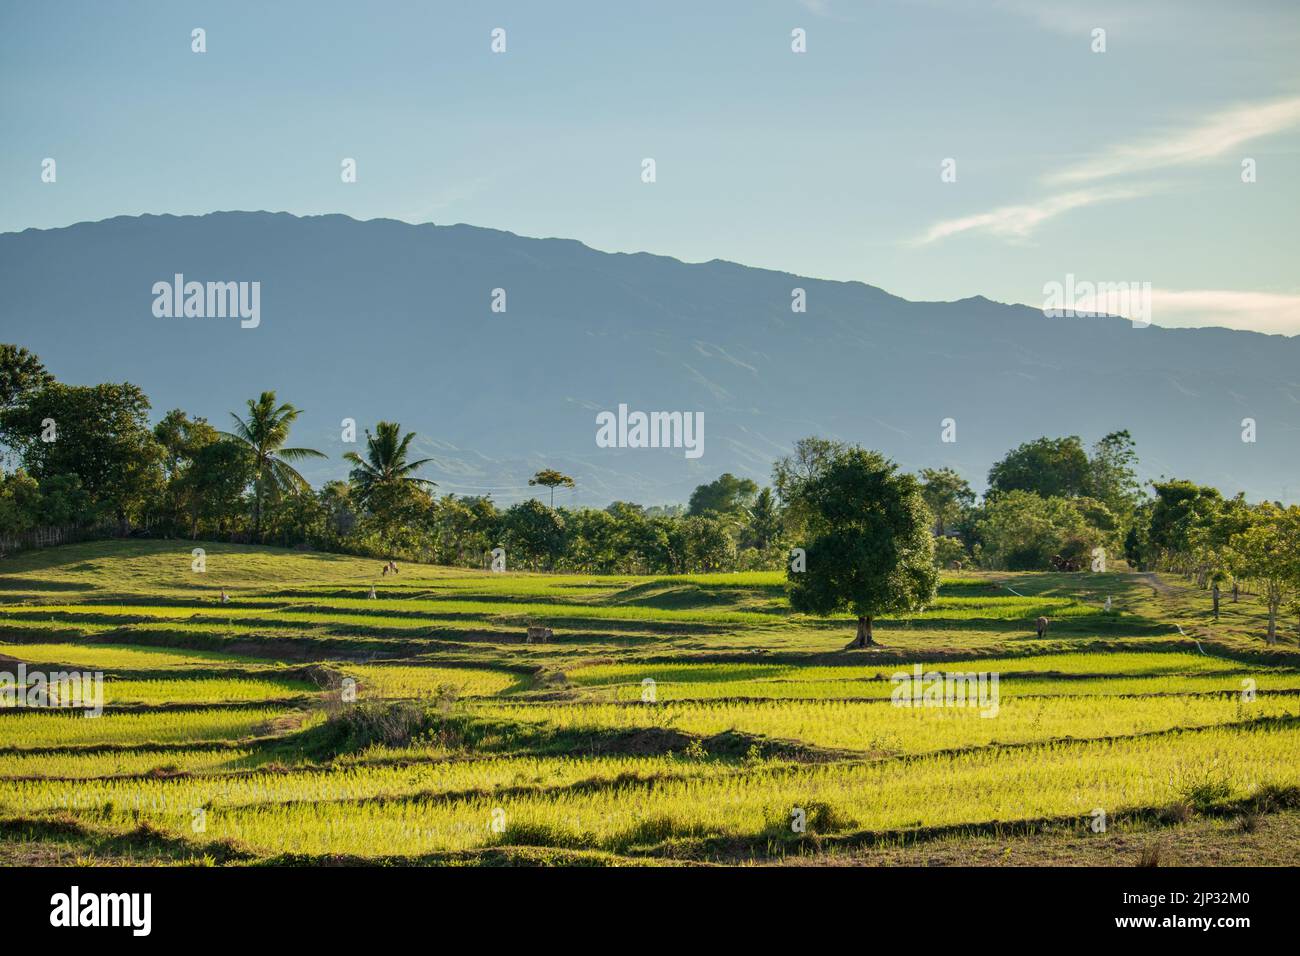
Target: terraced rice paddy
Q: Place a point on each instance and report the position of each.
(27, 729)
(690, 718)
(404, 680)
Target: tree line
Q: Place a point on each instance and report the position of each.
(89, 456)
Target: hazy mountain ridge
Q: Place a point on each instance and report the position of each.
(384, 319)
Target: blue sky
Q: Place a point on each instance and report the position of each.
(1115, 166)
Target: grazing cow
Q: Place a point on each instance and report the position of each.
(538, 635)
(1041, 625)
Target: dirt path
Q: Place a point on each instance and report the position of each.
(1153, 579)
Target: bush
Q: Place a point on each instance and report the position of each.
(368, 723)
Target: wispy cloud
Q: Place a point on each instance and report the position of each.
(1208, 140)
(1273, 312)
(1218, 134)
(1017, 222)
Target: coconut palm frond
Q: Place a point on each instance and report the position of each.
(385, 464)
(287, 478)
(298, 454)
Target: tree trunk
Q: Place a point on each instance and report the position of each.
(257, 512)
(864, 638)
(1216, 601)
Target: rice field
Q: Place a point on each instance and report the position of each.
(27, 729)
(876, 688)
(670, 718)
(80, 765)
(878, 727)
(1067, 780)
(118, 657)
(1130, 663)
(406, 680)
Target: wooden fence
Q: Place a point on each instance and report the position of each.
(46, 537)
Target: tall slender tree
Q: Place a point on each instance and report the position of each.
(263, 435)
(550, 478)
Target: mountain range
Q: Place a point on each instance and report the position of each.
(382, 319)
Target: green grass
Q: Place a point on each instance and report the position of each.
(462, 737)
(793, 689)
(27, 728)
(116, 656)
(399, 680)
(1127, 663)
(211, 691)
(83, 765)
(1068, 780)
(878, 727)
(177, 796)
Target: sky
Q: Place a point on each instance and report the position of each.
(1115, 165)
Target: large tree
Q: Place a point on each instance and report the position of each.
(213, 486)
(21, 375)
(263, 435)
(789, 474)
(1210, 541)
(728, 495)
(641, 539)
(20, 503)
(699, 543)
(1112, 474)
(182, 439)
(764, 526)
(1267, 551)
(947, 494)
(1050, 467)
(99, 433)
(1179, 507)
(870, 549)
(466, 527)
(533, 533)
(1022, 531)
(593, 542)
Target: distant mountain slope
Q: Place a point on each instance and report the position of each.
(383, 319)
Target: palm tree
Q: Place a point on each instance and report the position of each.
(385, 466)
(264, 435)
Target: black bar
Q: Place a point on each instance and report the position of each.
(333, 905)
